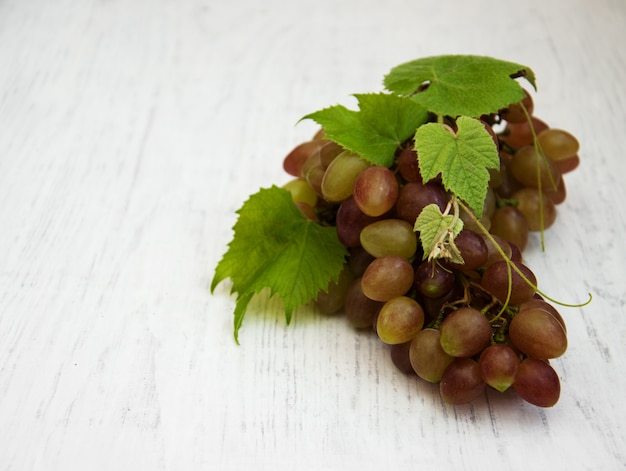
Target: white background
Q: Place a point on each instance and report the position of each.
(131, 131)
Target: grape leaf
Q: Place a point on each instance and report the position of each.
(456, 85)
(375, 132)
(462, 158)
(437, 232)
(275, 246)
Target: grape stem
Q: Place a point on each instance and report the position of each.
(538, 154)
(512, 265)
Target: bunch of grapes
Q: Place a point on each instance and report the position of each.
(465, 326)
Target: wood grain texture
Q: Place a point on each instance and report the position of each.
(131, 132)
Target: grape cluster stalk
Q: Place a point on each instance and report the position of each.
(464, 325)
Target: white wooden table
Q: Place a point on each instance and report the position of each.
(130, 132)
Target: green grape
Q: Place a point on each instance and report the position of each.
(529, 203)
(376, 190)
(510, 224)
(301, 192)
(558, 144)
(328, 152)
(339, 178)
(359, 309)
(537, 383)
(498, 366)
(465, 332)
(332, 300)
(427, 357)
(314, 176)
(495, 279)
(525, 164)
(399, 320)
(461, 382)
(538, 333)
(389, 237)
(387, 277)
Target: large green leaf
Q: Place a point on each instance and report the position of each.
(456, 85)
(275, 246)
(462, 158)
(375, 132)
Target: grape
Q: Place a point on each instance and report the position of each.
(332, 300)
(427, 357)
(516, 253)
(465, 332)
(495, 279)
(473, 250)
(358, 260)
(432, 280)
(320, 135)
(387, 277)
(492, 253)
(308, 211)
(509, 184)
(536, 332)
(461, 382)
(301, 192)
(525, 164)
(399, 320)
(514, 113)
(491, 132)
(359, 309)
(489, 207)
(408, 165)
(537, 383)
(328, 152)
(520, 134)
(510, 224)
(350, 222)
(339, 178)
(569, 164)
(415, 196)
(558, 144)
(295, 160)
(314, 175)
(400, 357)
(498, 366)
(389, 237)
(495, 178)
(557, 196)
(529, 202)
(540, 303)
(376, 190)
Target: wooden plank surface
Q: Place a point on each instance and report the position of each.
(131, 132)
